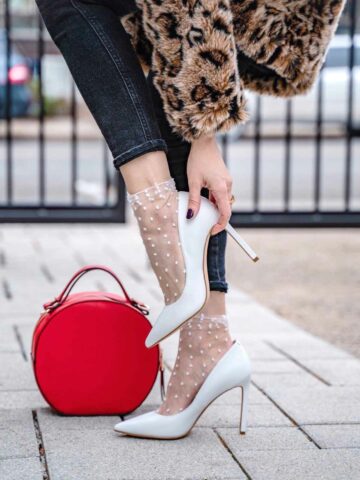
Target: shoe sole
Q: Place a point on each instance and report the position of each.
(193, 425)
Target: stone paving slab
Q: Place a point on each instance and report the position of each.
(302, 464)
(264, 367)
(258, 350)
(304, 346)
(11, 319)
(21, 469)
(252, 318)
(302, 380)
(233, 397)
(15, 399)
(297, 379)
(16, 373)
(82, 454)
(336, 372)
(51, 421)
(335, 436)
(8, 342)
(319, 405)
(229, 416)
(17, 435)
(265, 438)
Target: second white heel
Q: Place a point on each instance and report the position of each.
(244, 407)
(232, 370)
(241, 242)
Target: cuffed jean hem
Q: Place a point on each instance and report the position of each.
(219, 286)
(148, 146)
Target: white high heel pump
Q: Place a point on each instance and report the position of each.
(232, 370)
(194, 237)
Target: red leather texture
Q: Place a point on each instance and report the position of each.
(89, 356)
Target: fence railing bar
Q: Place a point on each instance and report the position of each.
(8, 106)
(318, 142)
(288, 137)
(74, 141)
(257, 139)
(350, 106)
(41, 114)
(107, 181)
(224, 148)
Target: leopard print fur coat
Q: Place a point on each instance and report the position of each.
(204, 53)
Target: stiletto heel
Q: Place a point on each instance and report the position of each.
(241, 242)
(232, 370)
(244, 407)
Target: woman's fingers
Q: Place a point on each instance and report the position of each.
(222, 201)
(194, 199)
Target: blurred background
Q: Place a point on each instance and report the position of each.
(295, 165)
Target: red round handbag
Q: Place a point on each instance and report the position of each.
(88, 351)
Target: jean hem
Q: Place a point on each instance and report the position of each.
(219, 286)
(148, 146)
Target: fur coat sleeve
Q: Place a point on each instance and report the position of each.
(204, 53)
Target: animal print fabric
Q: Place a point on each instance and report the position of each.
(194, 46)
(194, 63)
(290, 37)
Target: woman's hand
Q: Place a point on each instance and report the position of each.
(206, 168)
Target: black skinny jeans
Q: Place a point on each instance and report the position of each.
(125, 104)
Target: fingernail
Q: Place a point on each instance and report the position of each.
(190, 213)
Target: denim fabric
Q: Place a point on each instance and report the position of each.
(107, 72)
(126, 106)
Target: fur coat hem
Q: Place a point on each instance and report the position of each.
(205, 53)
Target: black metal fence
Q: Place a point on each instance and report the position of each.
(109, 206)
(296, 163)
(314, 135)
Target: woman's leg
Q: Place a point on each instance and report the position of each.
(206, 337)
(107, 72)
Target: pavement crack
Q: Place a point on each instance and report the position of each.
(226, 446)
(299, 364)
(134, 274)
(274, 403)
(6, 289)
(2, 259)
(40, 442)
(20, 342)
(286, 414)
(304, 432)
(47, 274)
(100, 286)
(79, 258)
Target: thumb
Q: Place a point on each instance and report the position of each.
(194, 200)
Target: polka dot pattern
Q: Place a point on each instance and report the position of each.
(195, 359)
(156, 210)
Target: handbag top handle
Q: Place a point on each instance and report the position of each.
(49, 306)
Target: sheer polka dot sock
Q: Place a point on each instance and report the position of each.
(156, 210)
(203, 341)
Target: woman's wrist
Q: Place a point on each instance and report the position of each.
(204, 139)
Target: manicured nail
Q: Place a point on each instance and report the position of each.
(190, 213)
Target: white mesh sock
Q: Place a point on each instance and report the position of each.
(203, 341)
(156, 210)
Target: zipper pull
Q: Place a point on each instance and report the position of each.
(144, 309)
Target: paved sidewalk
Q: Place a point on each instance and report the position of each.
(304, 416)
